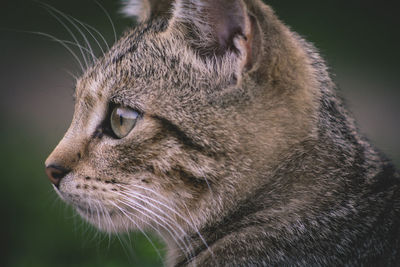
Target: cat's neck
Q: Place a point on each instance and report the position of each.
(342, 222)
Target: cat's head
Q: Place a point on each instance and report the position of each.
(179, 119)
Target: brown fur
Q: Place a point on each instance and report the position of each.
(243, 149)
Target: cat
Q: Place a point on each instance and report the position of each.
(214, 125)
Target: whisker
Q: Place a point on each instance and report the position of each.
(91, 34)
(48, 9)
(77, 45)
(73, 76)
(208, 184)
(51, 9)
(140, 229)
(129, 201)
(126, 246)
(163, 213)
(166, 227)
(112, 225)
(90, 208)
(191, 224)
(156, 228)
(109, 18)
(62, 43)
(158, 195)
(98, 216)
(98, 33)
(140, 197)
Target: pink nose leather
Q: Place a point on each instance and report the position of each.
(56, 173)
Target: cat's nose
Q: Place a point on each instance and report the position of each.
(56, 173)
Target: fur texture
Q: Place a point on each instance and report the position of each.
(143, 10)
(243, 154)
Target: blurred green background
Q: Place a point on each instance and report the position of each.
(359, 39)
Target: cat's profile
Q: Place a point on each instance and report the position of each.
(215, 126)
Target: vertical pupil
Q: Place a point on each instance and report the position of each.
(121, 120)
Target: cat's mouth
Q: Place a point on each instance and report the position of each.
(105, 213)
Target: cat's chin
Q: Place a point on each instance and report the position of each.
(104, 221)
(107, 221)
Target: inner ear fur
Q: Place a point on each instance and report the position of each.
(215, 27)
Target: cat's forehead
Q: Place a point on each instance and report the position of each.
(151, 64)
(125, 58)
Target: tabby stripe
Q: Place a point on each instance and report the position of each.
(178, 133)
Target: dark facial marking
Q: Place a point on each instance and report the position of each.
(178, 133)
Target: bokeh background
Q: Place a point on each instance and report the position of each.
(359, 39)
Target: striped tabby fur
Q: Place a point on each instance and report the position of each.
(243, 154)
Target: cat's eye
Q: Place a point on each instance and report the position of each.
(123, 120)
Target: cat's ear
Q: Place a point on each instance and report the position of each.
(214, 27)
(144, 10)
